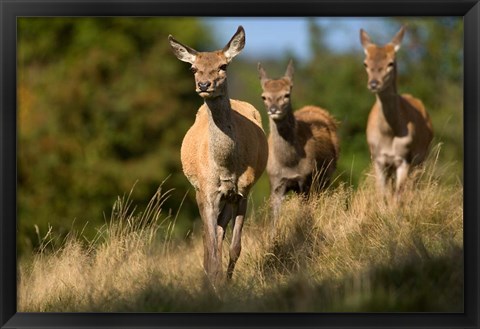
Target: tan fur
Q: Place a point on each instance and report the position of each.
(302, 144)
(399, 129)
(223, 154)
(195, 148)
(415, 120)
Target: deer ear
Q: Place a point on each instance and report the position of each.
(183, 53)
(235, 45)
(397, 39)
(290, 70)
(262, 74)
(365, 40)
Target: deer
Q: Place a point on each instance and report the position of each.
(223, 153)
(303, 145)
(399, 129)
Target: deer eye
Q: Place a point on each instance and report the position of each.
(223, 67)
(391, 64)
(193, 69)
(287, 96)
(264, 98)
(365, 65)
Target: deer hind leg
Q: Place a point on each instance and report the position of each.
(236, 245)
(304, 186)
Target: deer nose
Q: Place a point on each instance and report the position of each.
(204, 85)
(273, 110)
(373, 84)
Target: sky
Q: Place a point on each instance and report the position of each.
(272, 37)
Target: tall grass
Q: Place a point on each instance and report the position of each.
(339, 250)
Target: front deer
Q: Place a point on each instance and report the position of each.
(399, 130)
(223, 154)
(301, 144)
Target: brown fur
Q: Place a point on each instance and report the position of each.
(195, 148)
(399, 129)
(223, 154)
(302, 144)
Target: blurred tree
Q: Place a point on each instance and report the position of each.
(102, 104)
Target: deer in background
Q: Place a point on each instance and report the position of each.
(302, 144)
(399, 129)
(223, 154)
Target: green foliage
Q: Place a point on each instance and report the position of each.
(103, 103)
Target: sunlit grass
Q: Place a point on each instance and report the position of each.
(343, 249)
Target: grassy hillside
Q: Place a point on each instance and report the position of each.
(341, 250)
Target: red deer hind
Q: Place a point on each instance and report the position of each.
(399, 130)
(301, 144)
(223, 154)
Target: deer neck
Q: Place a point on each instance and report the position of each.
(283, 138)
(221, 131)
(390, 108)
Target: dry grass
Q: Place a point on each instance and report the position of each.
(341, 250)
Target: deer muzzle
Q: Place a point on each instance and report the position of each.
(374, 85)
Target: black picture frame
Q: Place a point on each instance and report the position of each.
(10, 10)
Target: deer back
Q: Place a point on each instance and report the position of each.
(317, 131)
(423, 134)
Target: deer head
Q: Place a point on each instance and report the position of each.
(380, 62)
(276, 92)
(210, 68)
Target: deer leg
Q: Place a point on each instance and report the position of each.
(381, 176)
(276, 197)
(276, 201)
(304, 186)
(236, 245)
(222, 223)
(209, 211)
(400, 178)
(225, 216)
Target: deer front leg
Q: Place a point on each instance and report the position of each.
(236, 245)
(401, 177)
(226, 215)
(278, 190)
(276, 202)
(381, 176)
(209, 211)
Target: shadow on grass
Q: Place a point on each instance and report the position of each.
(416, 285)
